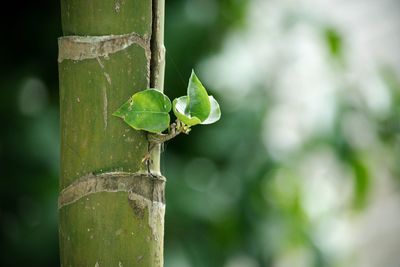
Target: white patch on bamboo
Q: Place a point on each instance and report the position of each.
(156, 212)
(117, 6)
(100, 62)
(90, 47)
(104, 73)
(104, 182)
(105, 107)
(107, 77)
(118, 232)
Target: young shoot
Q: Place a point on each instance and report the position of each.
(148, 110)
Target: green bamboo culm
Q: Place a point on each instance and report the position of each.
(111, 209)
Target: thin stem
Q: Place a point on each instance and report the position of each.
(155, 139)
(175, 129)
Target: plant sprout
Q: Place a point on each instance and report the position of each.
(148, 110)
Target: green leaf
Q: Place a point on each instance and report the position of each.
(179, 107)
(197, 107)
(146, 110)
(215, 113)
(198, 104)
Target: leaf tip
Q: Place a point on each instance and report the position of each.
(116, 114)
(193, 76)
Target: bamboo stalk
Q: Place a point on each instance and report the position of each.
(111, 210)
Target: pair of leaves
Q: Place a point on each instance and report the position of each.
(149, 110)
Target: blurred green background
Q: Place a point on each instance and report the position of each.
(302, 170)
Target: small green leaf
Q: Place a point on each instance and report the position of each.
(215, 113)
(197, 107)
(198, 104)
(179, 107)
(146, 110)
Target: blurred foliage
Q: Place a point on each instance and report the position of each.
(333, 42)
(389, 126)
(230, 202)
(29, 137)
(193, 30)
